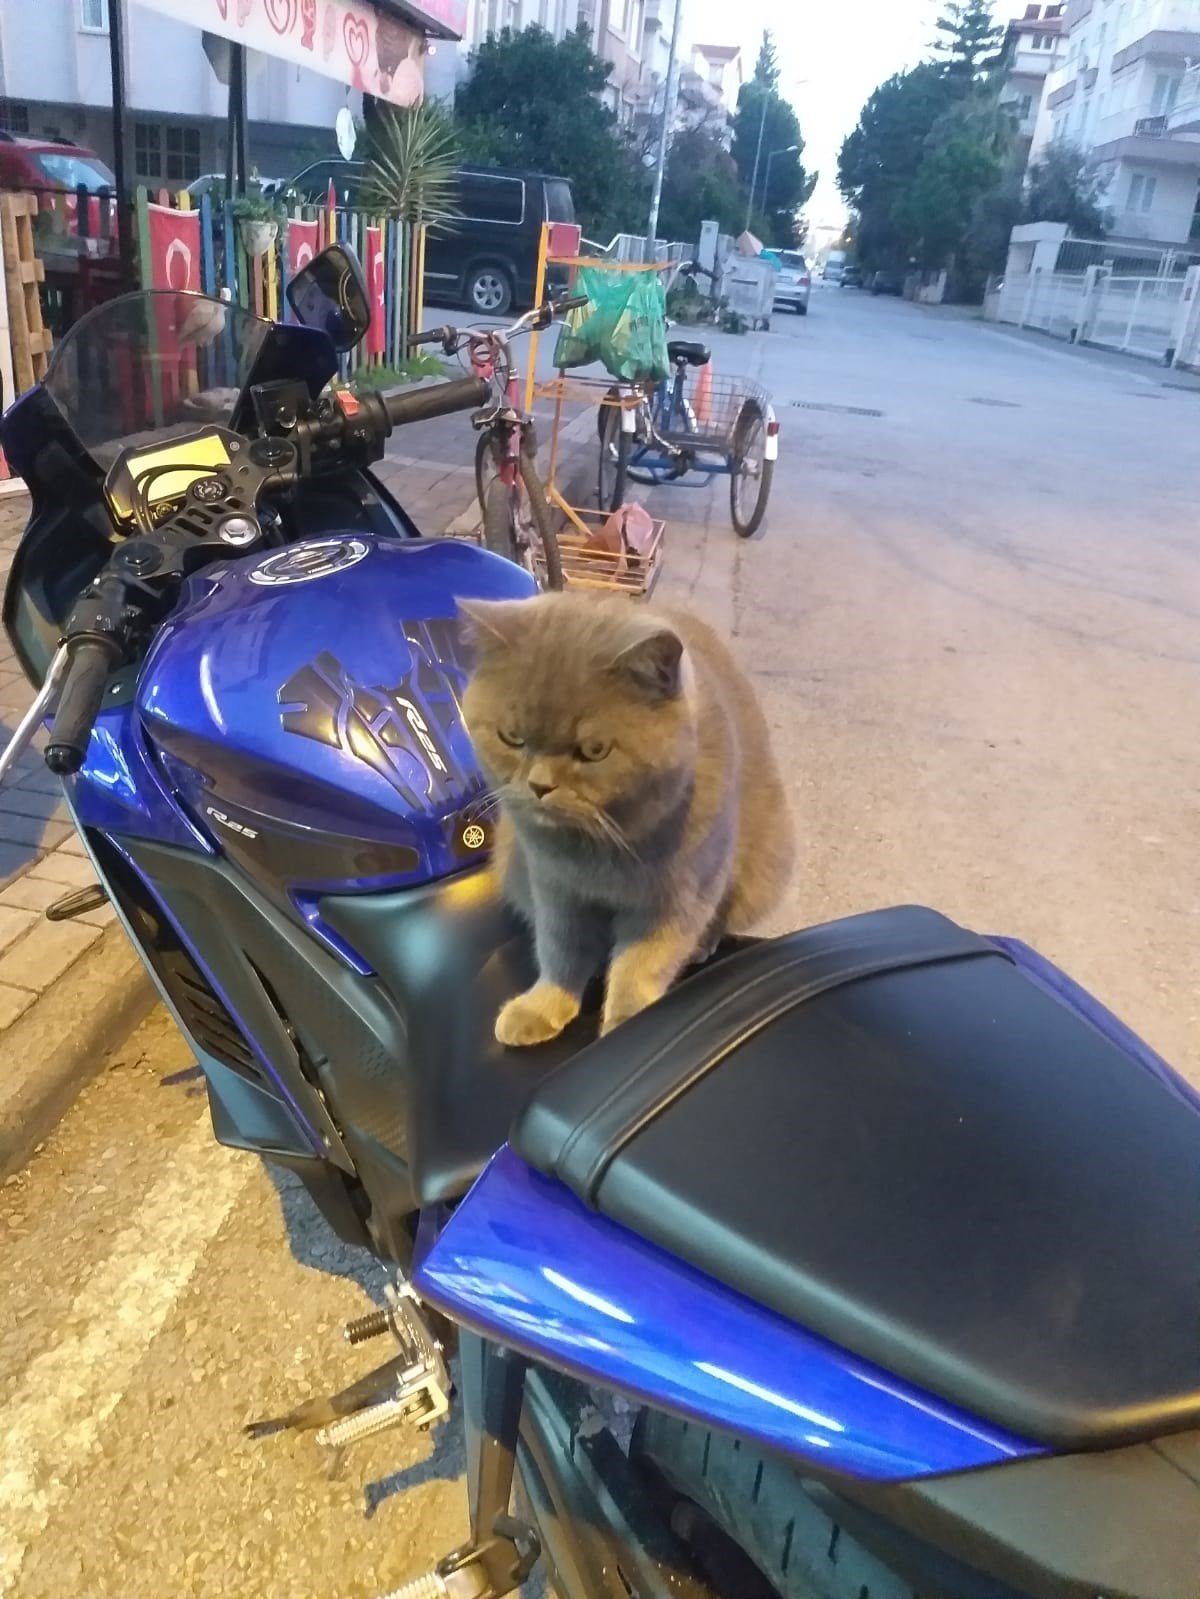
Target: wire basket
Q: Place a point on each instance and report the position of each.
(632, 573)
(711, 411)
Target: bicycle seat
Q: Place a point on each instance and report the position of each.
(689, 350)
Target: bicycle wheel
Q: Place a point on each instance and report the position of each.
(485, 468)
(542, 519)
(499, 522)
(613, 479)
(750, 471)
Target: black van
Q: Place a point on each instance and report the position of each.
(487, 257)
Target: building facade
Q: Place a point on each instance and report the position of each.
(1034, 45)
(55, 80)
(1127, 92)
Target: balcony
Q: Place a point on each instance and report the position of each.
(1151, 150)
(1150, 128)
(1163, 43)
(1063, 95)
(1184, 116)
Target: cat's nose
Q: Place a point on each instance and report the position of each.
(540, 790)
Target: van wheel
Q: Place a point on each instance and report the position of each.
(489, 290)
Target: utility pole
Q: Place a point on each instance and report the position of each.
(116, 52)
(670, 89)
(768, 96)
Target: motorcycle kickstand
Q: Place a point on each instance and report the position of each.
(501, 1551)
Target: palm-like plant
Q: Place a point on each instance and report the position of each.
(412, 162)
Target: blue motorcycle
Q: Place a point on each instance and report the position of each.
(866, 1265)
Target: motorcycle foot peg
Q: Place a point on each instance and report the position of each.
(420, 1394)
(77, 903)
(499, 1565)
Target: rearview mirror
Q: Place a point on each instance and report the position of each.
(330, 294)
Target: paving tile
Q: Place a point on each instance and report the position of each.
(72, 844)
(14, 1002)
(40, 778)
(43, 955)
(32, 802)
(32, 830)
(14, 924)
(15, 859)
(105, 916)
(30, 893)
(69, 870)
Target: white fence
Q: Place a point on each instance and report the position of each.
(1135, 315)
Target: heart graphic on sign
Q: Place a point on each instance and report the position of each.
(223, 8)
(281, 14)
(245, 7)
(358, 39)
(328, 31)
(308, 10)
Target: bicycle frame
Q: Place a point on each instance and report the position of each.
(665, 454)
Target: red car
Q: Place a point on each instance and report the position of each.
(50, 164)
(53, 166)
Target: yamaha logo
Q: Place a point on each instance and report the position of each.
(306, 562)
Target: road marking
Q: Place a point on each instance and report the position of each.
(54, 1420)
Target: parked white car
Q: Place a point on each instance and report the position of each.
(795, 283)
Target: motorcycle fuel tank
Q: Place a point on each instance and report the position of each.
(306, 709)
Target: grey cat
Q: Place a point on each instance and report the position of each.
(642, 812)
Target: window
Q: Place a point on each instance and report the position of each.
(75, 171)
(93, 16)
(1023, 107)
(1141, 192)
(14, 118)
(183, 154)
(560, 207)
(171, 152)
(1166, 92)
(487, 199)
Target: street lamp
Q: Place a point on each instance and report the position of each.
(788, 149)
(769, 95)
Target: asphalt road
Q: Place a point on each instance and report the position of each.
(973, 620)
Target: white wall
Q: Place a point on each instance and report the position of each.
(1172, 205)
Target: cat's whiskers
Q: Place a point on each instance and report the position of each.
(612, 831)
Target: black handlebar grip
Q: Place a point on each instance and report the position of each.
(432, 336)
(79, 703)
(440, 399)
(575, 303)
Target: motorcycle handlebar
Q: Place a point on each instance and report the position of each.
(440, 399)
(92, 659)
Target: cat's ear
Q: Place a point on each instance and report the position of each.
(494, 624)
(652, 664)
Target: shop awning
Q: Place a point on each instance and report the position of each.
(372, 47)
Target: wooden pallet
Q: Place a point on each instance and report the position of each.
(23, 272)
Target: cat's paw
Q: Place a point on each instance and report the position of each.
(537, 1016)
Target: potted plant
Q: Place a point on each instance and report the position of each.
(258, 217)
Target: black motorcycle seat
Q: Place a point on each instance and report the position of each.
(887, 1131)
(689, 350)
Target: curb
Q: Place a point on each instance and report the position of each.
(60, 1043)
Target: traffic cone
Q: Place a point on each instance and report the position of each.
(704, 394)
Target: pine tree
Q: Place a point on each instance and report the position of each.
(970, 40)
(766, 68)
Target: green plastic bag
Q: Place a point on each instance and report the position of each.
(623, 325)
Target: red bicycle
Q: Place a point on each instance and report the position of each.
(517, 521)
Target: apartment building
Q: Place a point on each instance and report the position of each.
(1033, 47)
(709, 86)
(1127, 91)
(447, 64)
(55, 80)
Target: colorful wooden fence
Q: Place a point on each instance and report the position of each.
(202, 249)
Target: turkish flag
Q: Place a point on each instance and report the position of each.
(174, 249)
(377, 292)
(303, 242)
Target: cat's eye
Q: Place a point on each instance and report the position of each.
(593, 749)
(513, 740)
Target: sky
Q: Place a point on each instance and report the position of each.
(842, 48)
